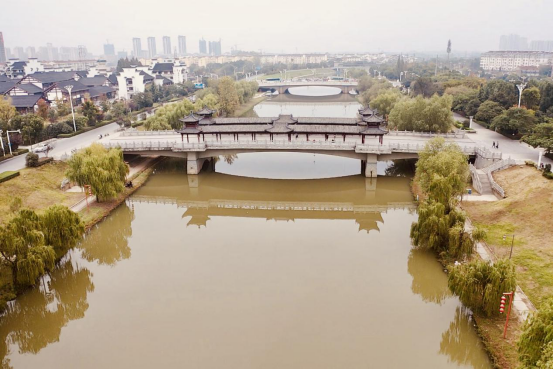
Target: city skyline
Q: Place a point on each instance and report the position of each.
(468, 29)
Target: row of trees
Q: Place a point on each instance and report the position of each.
(442, 173)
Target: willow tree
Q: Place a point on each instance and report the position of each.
(23, 249)
(535, 343)
(480, 284)
(228, 96)
(62, 228)
(103, 169)
(442, 172)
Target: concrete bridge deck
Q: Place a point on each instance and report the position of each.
(283, 86)
(398, 145)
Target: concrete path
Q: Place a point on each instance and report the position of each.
(510, 148)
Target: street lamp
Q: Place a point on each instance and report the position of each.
(520, 87)
(512, 248)
(2, 142)
(9, 143)
(69, 88)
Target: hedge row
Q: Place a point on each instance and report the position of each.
(6, 176)
(15, 153)
(85, 129)
(43, 161)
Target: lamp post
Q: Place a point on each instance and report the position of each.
(2, 142)
(69, 88)
(502, 307)
(9, 142)
(511, 248)
(520, 87)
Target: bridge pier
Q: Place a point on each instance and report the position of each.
(194, 165)
(370, 167)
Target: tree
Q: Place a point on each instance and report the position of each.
(356, 73)
(499, 91)
(31, 126)
(423, 115)
(400, 65)
(540, 137)
(424, 86)
(545, 91)
(228, 97)
(91, 112)
(514, 120)
(7, 113)
(104, 170)
(535, 343)
(23, 249)
(42, 109)
(385, 101)
(62, 228)
(531, 98)
(480, 284)
(488, 111)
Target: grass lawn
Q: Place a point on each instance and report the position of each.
(526, 212)
(246, 107)
(38, 188)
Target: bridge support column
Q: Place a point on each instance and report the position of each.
(371, 166)
(194, 165)
(344, 89)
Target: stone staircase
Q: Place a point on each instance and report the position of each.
(486, 188)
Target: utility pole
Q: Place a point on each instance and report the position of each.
(69, 88)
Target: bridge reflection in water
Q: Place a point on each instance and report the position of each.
(363, 200)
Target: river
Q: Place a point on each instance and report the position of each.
(233, 269)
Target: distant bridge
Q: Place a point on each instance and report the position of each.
(283, 86)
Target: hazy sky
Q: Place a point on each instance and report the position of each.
(277, 25)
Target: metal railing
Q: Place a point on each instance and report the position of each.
(142, 145)
(487, 154)
(148, 133)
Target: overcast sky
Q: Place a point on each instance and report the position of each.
(278, 25)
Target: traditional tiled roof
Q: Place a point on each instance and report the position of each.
(326, 120)
(77, 86)
(28, 101)
(93, 81)
(191, 118)
(374, 131)
(373, 119)
(147, 77)
(50, 77)
(6, 86)
(163, 67)
(367, 111)
(18, 65)
(30, 88)
(205, 111)
(100, 90)
(113, 78)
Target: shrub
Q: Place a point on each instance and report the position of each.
(530, 163)
(536, 339)
(31, 160)
(547, 175)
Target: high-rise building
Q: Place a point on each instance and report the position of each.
(513, 43)
(109, 49)
(3, 56)
(202, 46)
(19, 53)
(31, 52)
(182, 43)
(151, 47)
(42, 53)
(214, 48)
(122, 54)
(541, 45)
(166, 41)
(137, 48)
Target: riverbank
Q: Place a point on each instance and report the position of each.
(247, 108)
(39, 188)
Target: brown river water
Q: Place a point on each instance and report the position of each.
(222, 270)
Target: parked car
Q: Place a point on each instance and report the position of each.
(41, 148)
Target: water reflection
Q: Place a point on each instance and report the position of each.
(36, 318)
(426, 271)
(111, 245)
(456, 345)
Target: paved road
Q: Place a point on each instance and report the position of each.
(63, 146)
(510, 148)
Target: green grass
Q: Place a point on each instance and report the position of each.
(7, 174)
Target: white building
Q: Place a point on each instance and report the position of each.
(130, 82)
(512, 60)
(19, 69)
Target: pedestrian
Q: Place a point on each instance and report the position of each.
(493, 145)
(497, 145)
